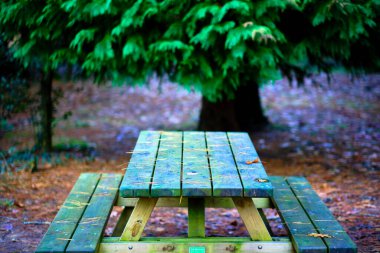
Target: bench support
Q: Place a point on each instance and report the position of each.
(196, 217)
(138, 219)
(210, 245)
(252, 219)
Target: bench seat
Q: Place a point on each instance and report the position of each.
(79, 224)
(305, 215)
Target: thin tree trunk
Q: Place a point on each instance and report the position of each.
(46, 111)
(244, 113)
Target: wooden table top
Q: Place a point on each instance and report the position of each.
(195, 164)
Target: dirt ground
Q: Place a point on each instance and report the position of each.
(329, 133)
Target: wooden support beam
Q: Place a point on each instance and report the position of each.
(265, 220)
(138, 219)
(196, 217)
(209, 202)
(252, 219)
(182, 245)
(122, 221)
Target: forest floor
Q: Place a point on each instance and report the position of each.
(329, 133)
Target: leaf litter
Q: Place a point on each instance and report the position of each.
(327, 133)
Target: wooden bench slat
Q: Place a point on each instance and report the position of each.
(168, 166)
(250, 174)
(90, 229)
(63, 226)
(225, 176)
(295, 218)
(321, 217)
(196, 174)
(137, 179)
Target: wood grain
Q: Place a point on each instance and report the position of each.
(196, 179)
(225, 176)
(167, 173)
(90, 229)
(64, 224)
(138, 176)
(250, 174)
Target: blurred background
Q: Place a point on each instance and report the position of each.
(80, 80)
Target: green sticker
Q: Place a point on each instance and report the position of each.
(197, 249)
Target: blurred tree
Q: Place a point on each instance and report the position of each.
(225, 49)
(13, 84)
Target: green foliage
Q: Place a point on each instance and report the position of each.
(209, 45)
(14, 87)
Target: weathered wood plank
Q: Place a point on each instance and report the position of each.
(63, 226)
(321, 217)
(167, 173)
(252, 219)
(295, 218)
(89, 231)
(138, 177)
(225, 176)
(251, 174)
(196, 174)
(209, 202)
(196, 213)
(138, 219)
(211, 245)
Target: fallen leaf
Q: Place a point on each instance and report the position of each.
(253, 161)
(262, 180)
(319, 235)
(19, 204)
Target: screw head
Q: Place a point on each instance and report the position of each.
(260, 247)
(130, 247)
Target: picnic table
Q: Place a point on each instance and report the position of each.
(193, 170)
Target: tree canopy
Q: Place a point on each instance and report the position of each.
(206, 44)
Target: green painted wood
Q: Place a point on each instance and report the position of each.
(244, 151)
(138, 177)
(63, 226)
(90, 229)
(295, 218)
(321, 217)
(196, 173)
(196, 213)
(185, 239)
(167, 173)
(225, 176)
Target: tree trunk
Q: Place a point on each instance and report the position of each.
(46, 111)
(243, 113)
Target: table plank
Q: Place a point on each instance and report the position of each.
(90, 229)
(321, 217)
(167, 173)
(295, 218)
(138, 177)
(196, 174)
(250, 174)
(63, 226)
(225, 176)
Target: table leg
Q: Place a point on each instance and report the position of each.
(252, 219)
(138, 219)
(196, 209)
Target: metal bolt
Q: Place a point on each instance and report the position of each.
(231, 248)
(260, 247)
(130, 247)
(168, 248)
